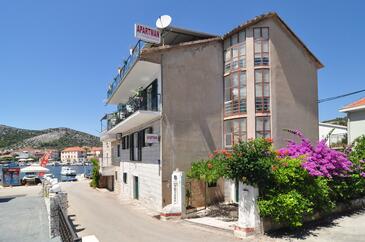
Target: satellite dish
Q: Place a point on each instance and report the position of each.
(163, 21)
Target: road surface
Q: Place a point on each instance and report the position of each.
(23, 215)
(109, 219)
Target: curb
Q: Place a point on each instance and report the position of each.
(210, 227)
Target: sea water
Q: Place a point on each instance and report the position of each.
(56, 171)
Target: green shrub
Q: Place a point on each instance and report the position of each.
(210, 170)
(287, 208)
(348, 188)
(289, 175)
(251, 162)
(95, 175)
(288, 191)
(352, 186)
(358, 151)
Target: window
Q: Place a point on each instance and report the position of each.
(235, 94)
(235, 130)
(118, 150)
(150, 97)
(125, 177)
(235, 52)
(261, 38)
(116, 175)
(262, 91)
(131, 147)
(263, 127)
(124, 142)
(136, 141)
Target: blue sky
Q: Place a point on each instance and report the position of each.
(57, 57)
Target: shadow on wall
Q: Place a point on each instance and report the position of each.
(207, 134)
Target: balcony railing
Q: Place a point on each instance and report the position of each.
(128, 64)
(134, 104)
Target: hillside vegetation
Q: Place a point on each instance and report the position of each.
(57, 138)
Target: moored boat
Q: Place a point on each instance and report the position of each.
(67, 171)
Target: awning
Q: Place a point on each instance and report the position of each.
(34, 168)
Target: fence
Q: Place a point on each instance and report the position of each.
(65, 228)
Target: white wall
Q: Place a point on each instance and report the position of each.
(325, 129)
(148, 172)
(356, 124)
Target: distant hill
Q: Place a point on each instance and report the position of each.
(55, 138)
(338, 121)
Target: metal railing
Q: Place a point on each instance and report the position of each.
(133, 106)
(128, 64)
(67, 233)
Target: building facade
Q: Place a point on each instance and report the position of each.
(197, 93)
(336, 135)
(73, 155)
(94, 152)
(355, 119)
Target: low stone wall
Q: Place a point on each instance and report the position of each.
(270, 225)
(53, 200)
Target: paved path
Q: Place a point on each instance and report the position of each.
(23, 215)
(347, 228)
(111, 219)
(102, 214)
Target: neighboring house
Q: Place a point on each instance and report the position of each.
(54, 154)
(355, 119)
(336, 135)
(73, 155)
(199, 92)
(94, 152)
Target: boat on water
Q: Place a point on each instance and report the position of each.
(68, 171)
(33, 174)
(55, 163)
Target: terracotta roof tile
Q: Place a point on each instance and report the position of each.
(358, 103)
(73, 149)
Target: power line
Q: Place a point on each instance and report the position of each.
(340, 96)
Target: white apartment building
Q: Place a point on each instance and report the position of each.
(73, 155)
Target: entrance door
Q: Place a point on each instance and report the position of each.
(135, 188)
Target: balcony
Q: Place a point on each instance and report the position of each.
(139, 109)
(134, 74)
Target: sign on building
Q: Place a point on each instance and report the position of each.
(147, 34)
(151, 138)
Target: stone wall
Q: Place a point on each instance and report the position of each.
(53, 200)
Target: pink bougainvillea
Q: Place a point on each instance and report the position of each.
(318, 160)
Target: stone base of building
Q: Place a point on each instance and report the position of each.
(241, 232)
